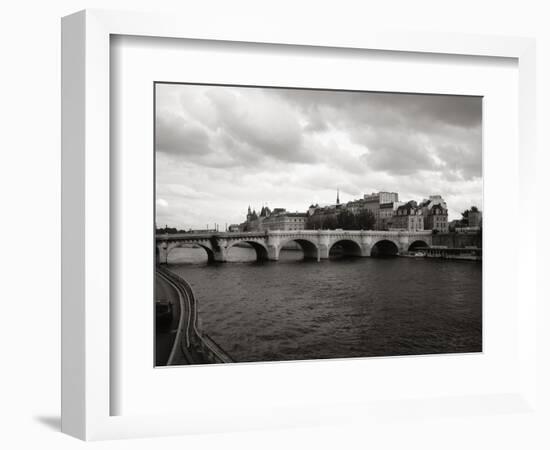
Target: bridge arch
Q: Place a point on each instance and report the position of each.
(417, 244)
(385, 248)
(344, 247)
(309, 248)
(209, 251)
(259, 247)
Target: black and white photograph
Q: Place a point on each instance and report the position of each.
(305, 224)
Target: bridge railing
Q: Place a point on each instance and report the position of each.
(266, 233)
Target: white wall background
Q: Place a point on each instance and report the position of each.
(30, 187)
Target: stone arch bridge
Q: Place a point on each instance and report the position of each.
(316, 244)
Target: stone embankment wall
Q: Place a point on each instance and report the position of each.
(457, 240)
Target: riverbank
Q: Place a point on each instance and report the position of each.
(464, 254)
(190, 346)
(165, 336)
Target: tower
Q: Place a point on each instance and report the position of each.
(337, 196)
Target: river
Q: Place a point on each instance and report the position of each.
(337, 308)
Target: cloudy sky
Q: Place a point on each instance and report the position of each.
(220, 149)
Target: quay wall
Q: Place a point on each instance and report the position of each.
(202, 343)
(457, 240)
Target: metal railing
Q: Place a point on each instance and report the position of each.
(202, 341)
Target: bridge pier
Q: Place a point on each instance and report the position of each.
(403, 245)
(162, 254)
(273, 252)
(365, 250)
(323, 252)
(219, 255)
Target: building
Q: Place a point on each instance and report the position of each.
(326, 216)
(381, 204)
(382, 197)
(436, 218)
(286, 221)
(356, 206)
(374, 202)
(386, 213)
(408, 217)
(278, 219)
(254, 220)
(234, 228)
(312, 208)
(433, 200)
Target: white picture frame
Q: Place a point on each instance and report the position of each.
(86, 216)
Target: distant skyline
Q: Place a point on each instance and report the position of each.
(220, 149)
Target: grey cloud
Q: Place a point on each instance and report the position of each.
(378, 107)
(462, 160)
(396, 152)
(219, 128)
(294, 144)
(174, 134)
(265, 125)
(400, 129)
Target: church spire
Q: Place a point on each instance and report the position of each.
(337, 196)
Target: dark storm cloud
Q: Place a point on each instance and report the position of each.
(375, 107)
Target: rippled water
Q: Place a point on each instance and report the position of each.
(293, 309)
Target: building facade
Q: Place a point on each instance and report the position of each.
(278, 219)
(382, 197)
(381, 204)
(285, 221)
(434, 210)
(386, 213)
(408, 217)
(436, 218)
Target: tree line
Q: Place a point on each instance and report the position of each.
(346, 220)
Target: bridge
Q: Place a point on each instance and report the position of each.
(316, 244)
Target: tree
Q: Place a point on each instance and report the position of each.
(313, 222)
(330, 222)
(466, 214)
(366, 220)
(347, 220)
(168, 230)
